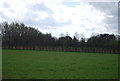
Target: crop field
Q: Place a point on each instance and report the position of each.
(29, 64)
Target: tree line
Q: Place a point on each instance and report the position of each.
(19, 36)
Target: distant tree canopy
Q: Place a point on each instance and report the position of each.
(19, 35)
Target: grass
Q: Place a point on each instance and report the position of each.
(28, 64)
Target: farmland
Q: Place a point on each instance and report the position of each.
(29, 64)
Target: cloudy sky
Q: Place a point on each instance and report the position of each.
(60, 16)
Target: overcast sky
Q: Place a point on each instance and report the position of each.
(60, 16)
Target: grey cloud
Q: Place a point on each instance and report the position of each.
(113, 20)
(50, 21)
(5, 5)
(110, 9)
(47, 22)
(4, 17)
(40, 7)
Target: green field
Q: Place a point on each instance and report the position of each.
(29, 64)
